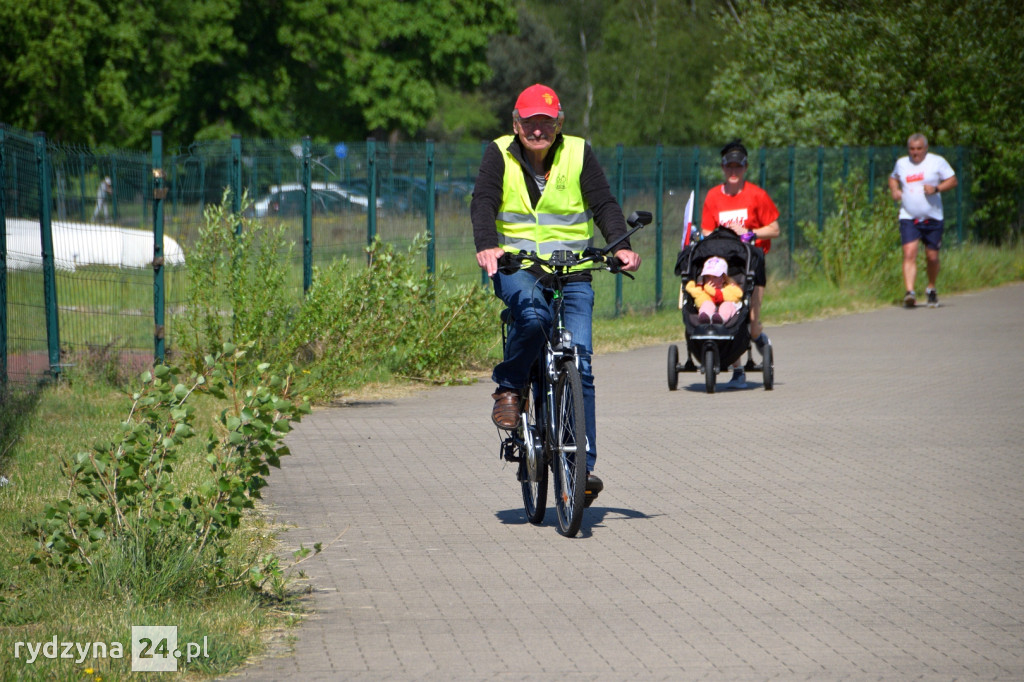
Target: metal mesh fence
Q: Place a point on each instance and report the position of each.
(99, 304)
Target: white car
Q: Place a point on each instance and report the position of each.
(287, 200)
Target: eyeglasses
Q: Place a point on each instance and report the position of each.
(544, 124)
(733, 167)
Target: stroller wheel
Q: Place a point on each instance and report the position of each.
(710, 369)
(768, 367)
(673, 367)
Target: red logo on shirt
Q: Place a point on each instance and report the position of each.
(916, 177)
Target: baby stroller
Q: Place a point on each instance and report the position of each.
(712, 348)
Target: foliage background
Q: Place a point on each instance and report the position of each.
(636, 72)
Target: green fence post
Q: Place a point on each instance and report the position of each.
(3, 258)
(15, 183)
(371, 188)
(792, 202)
(959, 195)
(46, 239)
(430, 207)
(821, 187)
(307, 215)
(659, 227)
(846, 162)
(202, 185)
(871, 175)
(620, 172)
(236, 178)
(762, 176)
(81, 184)
(113, 189)
(698, 203)
(483, 273)
(159, 193)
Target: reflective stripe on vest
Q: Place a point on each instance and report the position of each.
(561, 219)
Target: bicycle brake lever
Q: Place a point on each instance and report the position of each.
(615, 266)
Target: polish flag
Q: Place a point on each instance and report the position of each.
(688, 221)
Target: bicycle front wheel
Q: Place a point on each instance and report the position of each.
(533, 469)
(569, 449)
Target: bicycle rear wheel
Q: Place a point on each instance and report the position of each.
(533, 467)
(568, 449)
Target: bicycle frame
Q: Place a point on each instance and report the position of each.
(558, 348)
(553, 433)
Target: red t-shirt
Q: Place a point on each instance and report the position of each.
(751, 205)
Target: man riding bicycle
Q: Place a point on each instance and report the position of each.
(539, 190)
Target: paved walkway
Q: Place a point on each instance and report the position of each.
(871, 529)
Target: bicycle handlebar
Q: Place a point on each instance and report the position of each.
(560, 261)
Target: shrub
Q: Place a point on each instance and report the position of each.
(355, 324)
(237, 272)
(123, 494)
(858, 244)
(389, 318)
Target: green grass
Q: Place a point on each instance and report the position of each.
(149, 582)
(37, 604)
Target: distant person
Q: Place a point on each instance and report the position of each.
(105, 190)
(716, 294)
(745, 209)
(916, 182)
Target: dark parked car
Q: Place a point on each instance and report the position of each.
(406, 193)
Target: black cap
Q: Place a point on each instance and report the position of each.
(734, 152)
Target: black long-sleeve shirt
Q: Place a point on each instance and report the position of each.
(488, 192)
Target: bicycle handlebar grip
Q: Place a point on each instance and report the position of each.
(507, 264)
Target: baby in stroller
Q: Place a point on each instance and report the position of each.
(717, 335)
(716, 294)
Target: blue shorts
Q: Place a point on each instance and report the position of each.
(927, 230)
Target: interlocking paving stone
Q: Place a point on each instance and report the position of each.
(864, 520)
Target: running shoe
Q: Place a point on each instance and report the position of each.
(909, 299)
(933, 298)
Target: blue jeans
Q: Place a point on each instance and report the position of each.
(530, 303)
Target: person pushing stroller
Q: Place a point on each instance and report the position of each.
(744, 209)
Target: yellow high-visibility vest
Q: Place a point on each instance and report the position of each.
(561, 220)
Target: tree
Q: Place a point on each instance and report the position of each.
(519, 60)
(808, 73)
(636, 72)
(655, 72)
(108, 73)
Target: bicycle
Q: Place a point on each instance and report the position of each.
(552, 425)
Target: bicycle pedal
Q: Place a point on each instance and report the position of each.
(588, 499)
(509, 451)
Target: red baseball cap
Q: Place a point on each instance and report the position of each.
(538, 100)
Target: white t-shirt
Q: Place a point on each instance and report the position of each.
(932, 170)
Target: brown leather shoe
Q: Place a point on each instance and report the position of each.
(505, 414)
